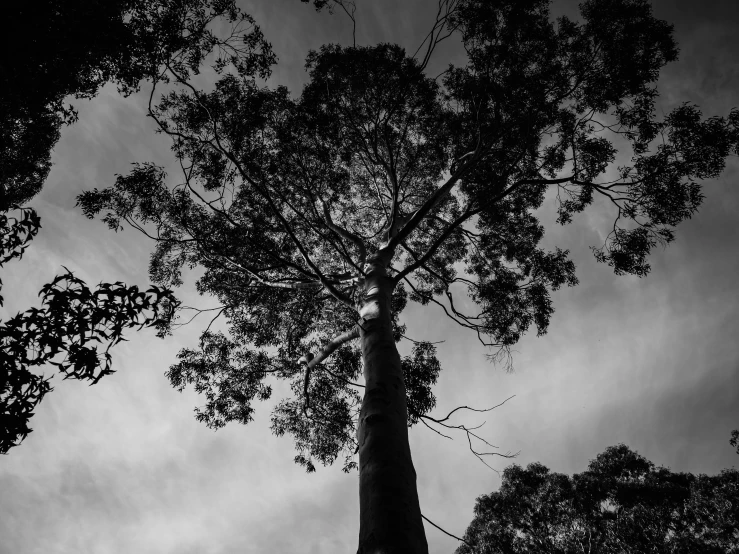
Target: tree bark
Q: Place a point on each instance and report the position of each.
(389, 511)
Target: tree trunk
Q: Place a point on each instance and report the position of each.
(389, 511)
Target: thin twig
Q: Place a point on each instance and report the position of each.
(475, 409)
(447, 532)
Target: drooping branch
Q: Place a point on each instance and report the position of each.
(469, 431)
(464, 322)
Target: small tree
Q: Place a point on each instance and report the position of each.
(622, 503)
(317, 218)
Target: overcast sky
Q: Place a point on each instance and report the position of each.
(123, 467)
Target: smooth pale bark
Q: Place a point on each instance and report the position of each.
(389, 511)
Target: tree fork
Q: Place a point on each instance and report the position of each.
(389, 510)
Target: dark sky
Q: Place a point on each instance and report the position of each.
(124, 467)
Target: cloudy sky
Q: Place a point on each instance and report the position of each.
(123, 467)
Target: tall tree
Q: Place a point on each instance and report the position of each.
(621, 504)
(316, 218)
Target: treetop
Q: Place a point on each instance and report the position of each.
(284, 199)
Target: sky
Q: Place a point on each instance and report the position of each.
(124, 467)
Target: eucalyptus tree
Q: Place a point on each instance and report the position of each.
(316, 217)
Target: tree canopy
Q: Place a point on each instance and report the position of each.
(286, 201)
(621, 503)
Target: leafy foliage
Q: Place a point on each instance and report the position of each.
(82, 46)
(73, 47)
(16, 234)
(69, 332)
(286, 200)
(622, 503)
(420, 372)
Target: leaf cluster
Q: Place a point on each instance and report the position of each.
(15, 235)
(73, 331)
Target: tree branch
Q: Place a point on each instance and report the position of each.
(474, 409)
(447, 532)
(358, 242)
(431, 202)
(464, 217)
(310, 361)
(434, 35)
(469, 431)
(218, 146)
